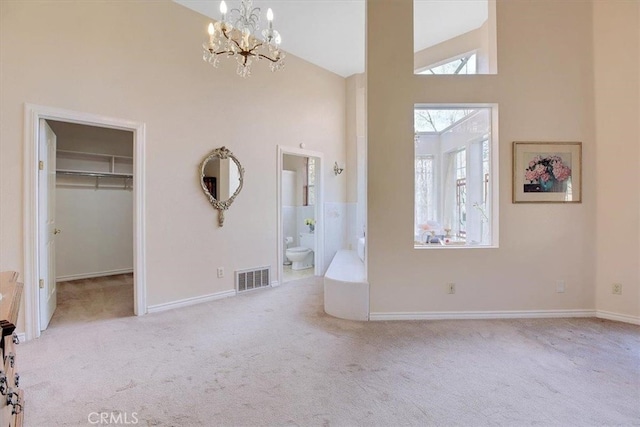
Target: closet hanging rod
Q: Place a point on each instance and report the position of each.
(95, 174)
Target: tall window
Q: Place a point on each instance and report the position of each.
(454, 176)
(485, 171)
(425, 197)
(311, 182)
(460, 213)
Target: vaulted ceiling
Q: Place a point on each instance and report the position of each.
(331, 33)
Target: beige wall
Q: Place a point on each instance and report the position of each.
(355, 118)
(355, 166)
(141, 61)
(617, 67)
(544, 90)
(351, 138)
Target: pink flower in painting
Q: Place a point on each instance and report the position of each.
(546, 168)
(560, 171)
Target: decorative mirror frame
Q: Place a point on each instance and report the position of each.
(221, 206)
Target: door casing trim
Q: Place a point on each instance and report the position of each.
(319, 207)
(32, 115)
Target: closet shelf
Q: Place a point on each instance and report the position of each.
(86, 154)
(94, 174)
(94, 165)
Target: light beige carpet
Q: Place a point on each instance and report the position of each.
(273, 358)
(88, 300)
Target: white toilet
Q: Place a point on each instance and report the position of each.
(302, 256)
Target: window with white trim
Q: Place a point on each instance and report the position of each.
(454, 177)
(455, 37)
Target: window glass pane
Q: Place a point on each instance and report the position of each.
(312, 171)
(425, 197)
(430, 120)
(453, 176)
(460, 214)
(311, 181)
(454, 37)
(312, 195)
(464, 65)
(485, 171)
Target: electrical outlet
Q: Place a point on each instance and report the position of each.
(616, 289)
(451, 288)
(220, 272)
(560, 286)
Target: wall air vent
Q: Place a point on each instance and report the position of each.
(254, 278)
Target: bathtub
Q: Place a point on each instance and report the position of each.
(346, 291)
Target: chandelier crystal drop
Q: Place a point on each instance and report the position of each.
(238, 37)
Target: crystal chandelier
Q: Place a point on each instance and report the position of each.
(240, 39)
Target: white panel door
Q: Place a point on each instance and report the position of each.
(47, 224)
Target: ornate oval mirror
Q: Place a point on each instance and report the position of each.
(221, 177)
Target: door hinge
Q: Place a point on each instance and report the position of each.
(41, 283)
(41, 165)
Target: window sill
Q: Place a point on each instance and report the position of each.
(451, 245)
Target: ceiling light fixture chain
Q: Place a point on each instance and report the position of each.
(241, 41)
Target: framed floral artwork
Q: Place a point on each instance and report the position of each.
(547, 172)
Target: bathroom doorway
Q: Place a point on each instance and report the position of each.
(299, 218)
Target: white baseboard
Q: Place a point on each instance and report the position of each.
(459, 315)
(94, 274)
(190, 301)
(275, 283)
(601, 314)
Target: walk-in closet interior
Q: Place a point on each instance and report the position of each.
(94, 222)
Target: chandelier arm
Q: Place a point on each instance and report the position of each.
(237, 44)
(266, 57)
(220, 52)
(226, 36)
(251, 51)
(261, 55)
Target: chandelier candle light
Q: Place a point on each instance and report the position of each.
(239, 39)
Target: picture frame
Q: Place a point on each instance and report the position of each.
(547, 172)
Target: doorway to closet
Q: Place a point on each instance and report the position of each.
(39, 159)
(92, 209)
